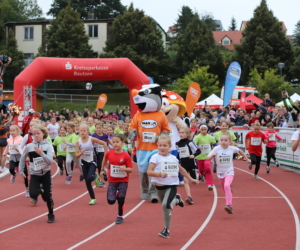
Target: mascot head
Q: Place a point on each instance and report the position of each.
(172, 105)
(148, 99)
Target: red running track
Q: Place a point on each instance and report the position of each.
(262, 217)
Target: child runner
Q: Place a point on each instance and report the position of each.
(224, 128)
(225, 171)
(163, 169)
(61, 148)
(110, 131)
(14, 150)
(204, 141)
(85, 151)
(193, 128)
(90, 123)
(187, 151)
(271, 145)
(119, 165)
(254, 140)
(53, 128)
(40, 158)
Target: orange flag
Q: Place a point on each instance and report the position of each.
(192, 97)
(101, 101)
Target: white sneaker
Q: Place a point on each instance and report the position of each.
(1, 169)
(268, 169)
(13, 179)
(27, 193)
(255, 177)
(277, 163)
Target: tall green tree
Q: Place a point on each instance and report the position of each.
(66, 36)
(184, 18)
(233, 25)
(297, 33)
(264, 43)
(208, 19)
(197, 45)
(296, 64)
(100, 8)
(136, 36)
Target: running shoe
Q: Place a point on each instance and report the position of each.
(164, 233)
(210, 187)
(189, 200)
(268, 169)
(61, 171)
(34, 201)
(229, 209)
(201, 178)
(97, 180)
(179, 200)
(68, 179)
(119, 220)
(255, 177)
(51, 218)
(277, 163)
(250, 166)
(72, 173)
(12, 179)
(81, 178)
(27, 193)
(92, 202)
(102, 184)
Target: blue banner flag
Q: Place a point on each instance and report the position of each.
(232, 79)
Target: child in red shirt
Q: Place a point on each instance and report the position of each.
(254, 140)
(119, 165)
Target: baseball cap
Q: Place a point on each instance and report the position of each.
(262, 107)
(31, 111)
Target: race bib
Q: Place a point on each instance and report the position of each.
(62, 147)
(99, 148)
(272, 138)
(184, 152)
(255, 141)
(115, 171)
(87, 156)
(205, 148)
(224, 163)
(12, 151)
(171, 168)
(149, 137)
(38, 163)
(70, 149)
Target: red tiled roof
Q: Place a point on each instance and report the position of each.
(234, 36)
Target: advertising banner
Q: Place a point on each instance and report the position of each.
(192, 97)
(232, 78)
(101, 101)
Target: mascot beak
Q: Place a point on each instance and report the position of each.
(134, 92)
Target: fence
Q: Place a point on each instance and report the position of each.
(71, 98)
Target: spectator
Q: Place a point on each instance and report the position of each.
(267, 102)
(26, 122)
(240, 120)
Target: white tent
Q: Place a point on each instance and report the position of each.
(212, 101)
(294, 97)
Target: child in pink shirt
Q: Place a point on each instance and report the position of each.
(271, 145)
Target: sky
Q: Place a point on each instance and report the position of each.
(165, 12)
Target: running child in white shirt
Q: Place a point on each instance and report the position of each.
(163, 169)
(225, 171)
(53, 129)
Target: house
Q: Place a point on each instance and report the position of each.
(227, 39)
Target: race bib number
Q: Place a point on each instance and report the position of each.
(255, 141)
(115, 171)
(87, 156)
(99, 148)
(149, 137)
(70, 149)
(38, 163)
(205, 148)
(12, 151)
(170, 168)
(184, 152)
(272, 138)
(224, 163)
(62, 147)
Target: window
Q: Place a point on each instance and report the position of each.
(226, 42)
(93, 30)
(28, 33)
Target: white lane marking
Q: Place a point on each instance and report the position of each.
(24, 192)
(199, 231)
(106, 228)
(254, 197)
(296, 218)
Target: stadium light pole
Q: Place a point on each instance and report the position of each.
(280, 66)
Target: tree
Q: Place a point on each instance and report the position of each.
(184, 18)
(297, 33)
(197, 45)
(296, 64)
(136, 36)
(208, 82)
(100, 8)
(66, 36)
(264, 43)
(233, 24)
(17, 64)
(208, 19)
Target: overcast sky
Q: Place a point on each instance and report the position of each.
(165, 12)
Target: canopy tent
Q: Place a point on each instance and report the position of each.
(249, 104)
(294, 97)
(213, 101)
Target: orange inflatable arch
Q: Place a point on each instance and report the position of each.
(78, 69)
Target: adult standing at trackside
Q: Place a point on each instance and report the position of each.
(26, 122)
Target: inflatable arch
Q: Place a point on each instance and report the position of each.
(83, 69)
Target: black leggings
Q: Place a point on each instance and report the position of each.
(117, 191)
(99, 160)
(255, 160)
(88, 170)
(13, 165)
(60, 162)
(270, 154)
(35, 189)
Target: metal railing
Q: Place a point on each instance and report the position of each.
(71, 97)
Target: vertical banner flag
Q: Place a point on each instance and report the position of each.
(192, 97)
(101, 101)
(232, 79)
(243, 100)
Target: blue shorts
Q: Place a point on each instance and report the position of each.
(143, 158)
